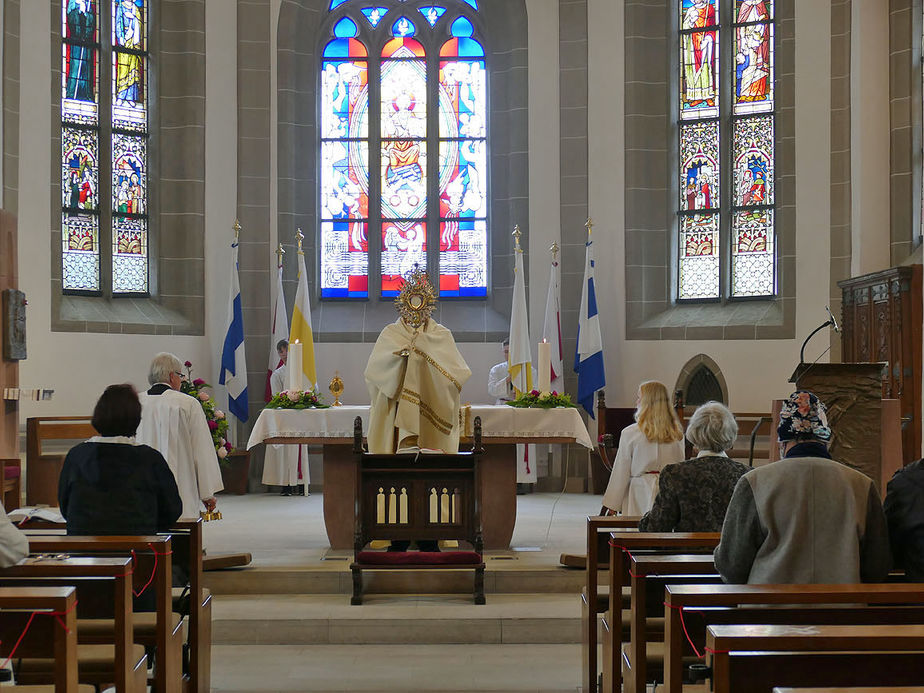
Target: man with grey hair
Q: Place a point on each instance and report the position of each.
(174, 424)
(693, 494)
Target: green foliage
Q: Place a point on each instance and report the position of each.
(217, 421)
(534, 399)
(296, 399)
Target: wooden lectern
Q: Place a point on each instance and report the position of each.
(866, 430)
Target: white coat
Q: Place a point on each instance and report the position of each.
(174, 424)
(280, 465)
(634, 480)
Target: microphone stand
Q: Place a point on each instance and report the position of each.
(812, 334)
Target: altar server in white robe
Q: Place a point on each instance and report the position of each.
(285, 465)
(499, 386)
(174, 424)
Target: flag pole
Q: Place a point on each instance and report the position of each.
(280, 251)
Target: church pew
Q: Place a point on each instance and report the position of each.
(103, 590)
(152, 569)
(898, 603)
(877, 689)
(43, 469)
(622, 544)
(756, 658)
(595, 601)
(47, 636)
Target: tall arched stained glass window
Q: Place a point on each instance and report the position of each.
(726, 226)
(104, 227)
(404, 177)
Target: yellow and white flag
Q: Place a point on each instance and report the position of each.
(519, 360)
(301, 327)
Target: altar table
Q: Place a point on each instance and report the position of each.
(502, 428)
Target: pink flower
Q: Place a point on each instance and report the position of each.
(222, 453)
(293, 395)
(534, 393)
(600, 437)
(554, 393)
(219, 414)
(222, 441)
(204, 396)
(188, 364)
(228, 447)
(213, 425)
(198, 381)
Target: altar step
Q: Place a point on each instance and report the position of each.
(329, 619)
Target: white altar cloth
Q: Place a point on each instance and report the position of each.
(497, 421)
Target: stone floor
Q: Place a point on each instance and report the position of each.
(395, 642)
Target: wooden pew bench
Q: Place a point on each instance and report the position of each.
(802, 605)
(43, 467)
(595, 597)
(757, 657)
(622, 544)
(103, 591)
(162, 629)
(877, 689)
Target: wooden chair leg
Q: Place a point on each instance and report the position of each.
(357, 598)
(479, 585)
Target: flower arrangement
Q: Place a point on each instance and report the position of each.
(534, 398)
(297, 399)
(218, 423)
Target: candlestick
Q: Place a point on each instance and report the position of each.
(545, 367)
(294, 362)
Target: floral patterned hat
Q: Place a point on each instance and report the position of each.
(803, 416)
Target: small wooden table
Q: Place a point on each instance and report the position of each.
(503, 428)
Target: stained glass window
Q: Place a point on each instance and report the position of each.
(419, 196)
(112, 132)
(726, 216)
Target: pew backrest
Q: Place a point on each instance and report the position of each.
(43, 468)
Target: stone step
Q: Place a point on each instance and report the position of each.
(329, 619)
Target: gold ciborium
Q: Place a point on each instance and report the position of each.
(336, 388)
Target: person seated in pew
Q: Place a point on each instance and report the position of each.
(111, 485)
(693, 495)
(904, 510)
(645, 448)
(804, 519)
(13, 544)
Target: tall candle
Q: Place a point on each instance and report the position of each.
(545, 366)
(294, 362)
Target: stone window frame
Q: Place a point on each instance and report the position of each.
(652, 309)
(175, 303)
(299, 43)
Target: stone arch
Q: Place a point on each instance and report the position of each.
(701, 380)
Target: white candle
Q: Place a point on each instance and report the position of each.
(294, 362)
(545, 367)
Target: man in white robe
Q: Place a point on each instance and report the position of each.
(285, 465)
(499, 386)
(174, 424)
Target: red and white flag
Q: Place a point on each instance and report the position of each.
(551, 326)
(279, 329)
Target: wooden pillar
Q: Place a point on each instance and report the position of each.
(9, 370)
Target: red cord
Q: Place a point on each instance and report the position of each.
(626, 551)
(153, 570)
(56, 614)
(690, 640)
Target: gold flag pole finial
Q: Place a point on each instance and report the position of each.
(299, 236)
(237, 230)
(280, 251)
(516, 237)
(590, 226)
(554, 248)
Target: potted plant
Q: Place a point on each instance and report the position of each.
(234, 464)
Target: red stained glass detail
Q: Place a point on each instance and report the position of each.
(396, 44)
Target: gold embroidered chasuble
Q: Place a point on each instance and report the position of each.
(415, 379)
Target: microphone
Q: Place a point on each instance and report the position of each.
(833, 320)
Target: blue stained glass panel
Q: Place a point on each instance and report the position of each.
(129, 174)
(345, 28)
(80, 169)
(403, 27)
(473, 3)
(374, 14)
(432, 13)
(463, 98)
(335, 4)
(463, 179)
(129, 28)
(345, 179)
(753, 151)
(345, 99)
(462, 28)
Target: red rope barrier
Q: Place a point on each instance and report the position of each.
(56, 614)
(689, 639)
(626, 551)
(153, 570)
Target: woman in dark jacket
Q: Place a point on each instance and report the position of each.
(111, 486)
(904, 510)
(693, 495)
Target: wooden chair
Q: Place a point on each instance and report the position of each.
(610, 422)
(152, 569)
(51, 634)
(10, 483)
(43, 469)
(896, 603)
(103, 591)
(412, 496)
(755, 658)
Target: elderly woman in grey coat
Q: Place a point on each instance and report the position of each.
(694, 494)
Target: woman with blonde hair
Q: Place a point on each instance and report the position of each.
(645, 448)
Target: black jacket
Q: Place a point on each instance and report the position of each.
(117, 489)
(904, 509)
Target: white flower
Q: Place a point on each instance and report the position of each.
(219, 414)
(222, 453)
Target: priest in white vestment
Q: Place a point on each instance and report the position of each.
(415, 376)
(174, 424)
(285, 465)
(499, 386)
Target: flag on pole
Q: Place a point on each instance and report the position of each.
(233, 362)
(301, 322)
(551, 326)
(519, 361)
(279, 327)
(588, 357)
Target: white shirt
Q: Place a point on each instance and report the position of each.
(633, 481)
(279, 379)
(497, 383)
(174, 424)
(13, 544)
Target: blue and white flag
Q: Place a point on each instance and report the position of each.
(233, 363)
(588, 356)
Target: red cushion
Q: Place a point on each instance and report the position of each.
(418, 558)
(11, 472)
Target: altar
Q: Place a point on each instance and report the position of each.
(502, 428)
